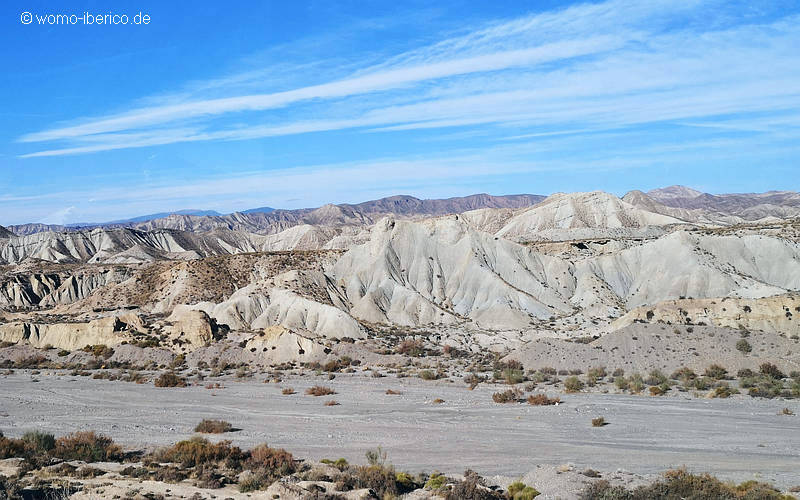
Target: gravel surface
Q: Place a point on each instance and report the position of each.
(737, 439)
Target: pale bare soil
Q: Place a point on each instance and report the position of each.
(738, 439)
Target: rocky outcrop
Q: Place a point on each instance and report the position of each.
(108, 331)
(278, 344)
(779, 313)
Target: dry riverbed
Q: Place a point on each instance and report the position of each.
(739, 438)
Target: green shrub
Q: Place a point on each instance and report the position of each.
(40, 441)
(339, 463)
(521, 491)
(573, 384)
(636, 383)
(655, 377)
(743, 346)
(436, 481)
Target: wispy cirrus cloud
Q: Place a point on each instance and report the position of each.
(592, 66)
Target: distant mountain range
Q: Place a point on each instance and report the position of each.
(267, 220)
(678, 202)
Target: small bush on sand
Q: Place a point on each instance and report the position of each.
(771, 371)
(436, 481)
(716, 372)
(331, 402)
(573, 384)
(320, 390)
(636, 383)
(509, 396)
(655, 377)
(86, 446)
(197, 451)
(393, 393)
(339, 463)
(684, 375)
(169, 379)
(428, 375)
(473, 487)
(743, 346)
(599, 422)
(288, 391)
(521, 491)
(207, 426)
(278, 462)
(542, 400)
(723, 391)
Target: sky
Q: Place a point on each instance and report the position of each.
(233, 105)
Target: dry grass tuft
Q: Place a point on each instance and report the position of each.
(207, 426)
(320, 390)
(542, 400)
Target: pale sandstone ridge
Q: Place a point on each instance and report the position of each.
(779, 313)
(575, 265)
(106, 331)
(441, 271)
(582, 215)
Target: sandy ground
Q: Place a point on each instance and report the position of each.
(738, 438)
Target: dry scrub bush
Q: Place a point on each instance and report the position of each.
(86, 446)
(473, 487)
(169, 379)
(542, 400)
(599, 422)
(509, 396)
(393, 393)
(716, 372)
(320, 390)
(331, 402)
(288, 391)
(208, 426)
(197, 450)
(681, 484)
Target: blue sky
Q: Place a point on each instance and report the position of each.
(297, 104)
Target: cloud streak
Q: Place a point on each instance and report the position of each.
(588, 67)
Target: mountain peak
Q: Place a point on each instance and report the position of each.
(676, 191)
